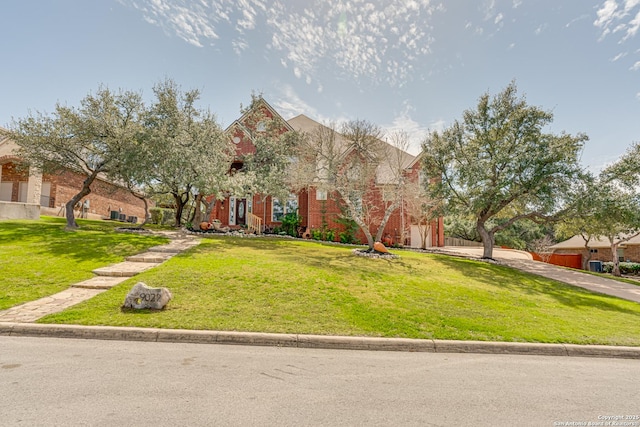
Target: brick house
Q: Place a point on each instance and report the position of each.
(599, 249)
(315, 207)
(27, 193)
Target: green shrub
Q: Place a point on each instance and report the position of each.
(291, 222)
(316, 234)
(350, 229)
(330, 235)
(625, 267)
(323, 234)
(168, 216)
(156, 215)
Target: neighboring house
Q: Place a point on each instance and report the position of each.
(599, 248)
(27, 193)
(314, 206)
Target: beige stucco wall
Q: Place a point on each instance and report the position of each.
(13, 210)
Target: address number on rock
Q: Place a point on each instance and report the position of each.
(149, 297)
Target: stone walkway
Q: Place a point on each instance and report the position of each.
(106, 278)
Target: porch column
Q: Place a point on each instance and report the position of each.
(34, 187)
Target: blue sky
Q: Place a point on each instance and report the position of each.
(414, 65)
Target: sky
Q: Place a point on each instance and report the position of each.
(410, 65)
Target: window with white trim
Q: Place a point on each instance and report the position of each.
(279, 209)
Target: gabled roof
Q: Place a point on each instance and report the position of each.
(577, 242)
(260, 102)
(302, 123)
(3, 135)
(415, 161)
(7, 146)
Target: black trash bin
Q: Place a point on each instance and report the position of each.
(595, 266)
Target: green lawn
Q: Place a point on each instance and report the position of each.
(40, 258)
(275, 285)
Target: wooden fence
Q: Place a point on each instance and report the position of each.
(454, 241)
(563, 260)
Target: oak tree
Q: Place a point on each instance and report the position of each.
(90, 140)
(497, 162)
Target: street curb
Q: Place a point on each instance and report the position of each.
(313, 341)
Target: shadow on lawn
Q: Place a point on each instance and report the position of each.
(289, 250)
(568, 295)
(90, 242)
(340, 258)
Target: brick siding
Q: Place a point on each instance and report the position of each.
(104, 197)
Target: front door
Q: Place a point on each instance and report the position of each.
(241, 211)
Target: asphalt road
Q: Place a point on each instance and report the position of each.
(67, 382)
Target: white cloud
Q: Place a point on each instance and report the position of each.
(540, 29)
(417, 133)
(635, 67)
(621, 17)
(289, 104)
(438, 125)
(488, 8)
(632, 28)
(579, 18)
(404, 123)
(606, 13)
(239, 46)
(619, 56)
(189, 21)
(376, 40)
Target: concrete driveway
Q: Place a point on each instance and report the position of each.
(498, 253)
(524, 261)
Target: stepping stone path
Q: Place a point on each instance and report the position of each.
(106, 278)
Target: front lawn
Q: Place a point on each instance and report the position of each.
(286, 286)
(40, 258)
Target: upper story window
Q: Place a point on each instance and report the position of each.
(261, 127)
(422, 178)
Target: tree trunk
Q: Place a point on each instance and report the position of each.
(385, 219)
(208, 208)
(84, 191)
(196, 219)
(180, 204)
(424, 233)
(488, 240)
(360, 222)
(585, 260)
(146, 206)
(616, 261)
(146, 211)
